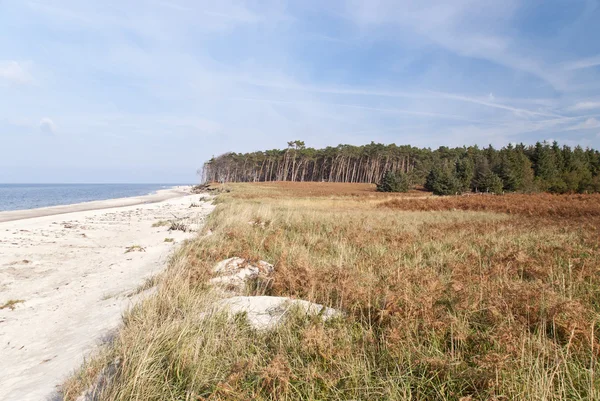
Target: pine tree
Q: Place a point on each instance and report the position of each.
(394, 182)
(547, 171)
(444, 170)
(443, 181)
(465, 171)
(482, 170)
(491, 183)
(514, 168)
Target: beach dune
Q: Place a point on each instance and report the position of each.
(68, 272)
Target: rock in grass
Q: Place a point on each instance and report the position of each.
(234, 273)
(265, 312)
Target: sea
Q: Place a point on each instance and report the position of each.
(32, 196)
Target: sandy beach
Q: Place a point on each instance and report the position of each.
(69, 274)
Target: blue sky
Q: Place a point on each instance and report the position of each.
(145, 91)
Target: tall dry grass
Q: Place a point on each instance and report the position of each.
(536, 205)
(439, 305)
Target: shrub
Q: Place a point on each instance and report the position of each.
(394, 182)
(491, 183)
(443, 182)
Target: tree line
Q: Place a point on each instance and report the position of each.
(513, 168)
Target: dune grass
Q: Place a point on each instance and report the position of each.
(135, 248)
(440, 302)
(11, 304)
(161, 223)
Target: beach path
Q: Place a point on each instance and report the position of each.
(69, 278)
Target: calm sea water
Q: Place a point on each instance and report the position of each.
(31, 196)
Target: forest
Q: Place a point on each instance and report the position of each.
(543, 167)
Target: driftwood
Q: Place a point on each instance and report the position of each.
(203, 188)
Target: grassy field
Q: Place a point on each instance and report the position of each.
(458, 298)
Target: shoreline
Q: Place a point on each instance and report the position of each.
(68, 273)
(154, 197)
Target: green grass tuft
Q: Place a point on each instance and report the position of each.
(11, 304)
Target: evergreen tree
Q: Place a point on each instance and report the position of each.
(394, 182)
(515, 170)
(482, 170)
(465, 171)
(443, 181)
(432, 178)
(577, 173)
(491, 183)
(547, 171)
(444, 170)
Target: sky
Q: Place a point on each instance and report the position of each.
(146, 91)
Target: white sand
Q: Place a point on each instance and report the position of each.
(75, 278)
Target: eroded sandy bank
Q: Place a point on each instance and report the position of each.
(73, 274)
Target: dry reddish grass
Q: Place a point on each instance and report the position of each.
(286, 188)
(295, 190)
(487, 286)
(491, 297)
(546, 205)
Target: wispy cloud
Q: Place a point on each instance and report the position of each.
(228, 10)
(583, 63)
(174, 82)
(583, 106)
(469, 28)
(14, 72)
(490, 103)
(590, 123)
(293, 86)
(356, 106)
(47, 126)
(159, 23)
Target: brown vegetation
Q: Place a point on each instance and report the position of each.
(305, 190)
(547, 205)
(463, 303)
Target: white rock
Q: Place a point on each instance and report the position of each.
(264, 312)
(235, 272)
